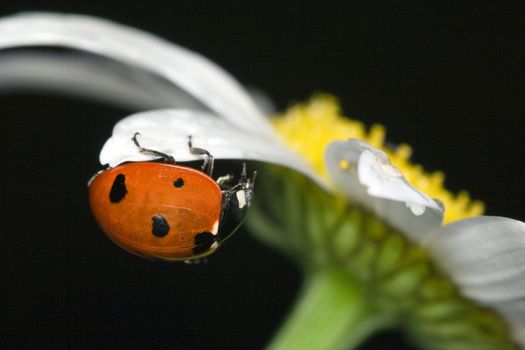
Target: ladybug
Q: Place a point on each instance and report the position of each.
(162, 210)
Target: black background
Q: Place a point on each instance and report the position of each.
(447, 79)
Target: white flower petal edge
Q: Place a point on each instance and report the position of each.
(192, 72)
(485, 256)
(514, 311)
(92, 77)
(365, 175)
(167, 131)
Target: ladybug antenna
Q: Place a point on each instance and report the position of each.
(252, 180)
(207, 166)
(151, 152)
(243, 173)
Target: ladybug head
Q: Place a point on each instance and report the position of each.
(235, 203)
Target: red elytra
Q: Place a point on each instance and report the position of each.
(158, 210)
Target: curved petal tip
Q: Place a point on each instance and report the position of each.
(366, 176)
(191, 72)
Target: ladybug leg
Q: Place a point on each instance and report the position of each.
(199, 261)
(244, 181)
(166, 157)
(244, 185)
(207, 166)
(221, 181)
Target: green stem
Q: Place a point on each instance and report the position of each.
(331, 313)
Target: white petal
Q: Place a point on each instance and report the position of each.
(485, 256)
(92, 77)
(514, 312)
(367, 177)
(193, 73)
(262, 101)
(167, 131)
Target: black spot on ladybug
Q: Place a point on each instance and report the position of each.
(179, 182)
(203, 242)
(159, 226)
(118, 189)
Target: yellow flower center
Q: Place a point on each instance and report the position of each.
(309, 127)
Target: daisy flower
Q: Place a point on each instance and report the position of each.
(381, 242)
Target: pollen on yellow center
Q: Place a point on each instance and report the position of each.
(309, 127)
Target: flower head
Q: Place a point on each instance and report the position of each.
(364, 223)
